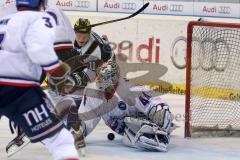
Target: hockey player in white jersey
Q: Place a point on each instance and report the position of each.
(23, 65)
(63, 45)
(142, 118)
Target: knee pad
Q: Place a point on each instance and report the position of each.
(61, 146)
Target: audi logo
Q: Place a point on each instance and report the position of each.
(224, 10)
(202, 48)
(81, 4)
(129, 6)
(178, 52)
(216, 48)
(176, 7)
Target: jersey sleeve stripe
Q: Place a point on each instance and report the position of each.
(20, 82)
(50, 67)
(63, 42)
(18, 78)
(63, 45)
(50, 64)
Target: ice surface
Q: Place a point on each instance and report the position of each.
(99, 148)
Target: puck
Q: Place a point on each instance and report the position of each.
(110, 136)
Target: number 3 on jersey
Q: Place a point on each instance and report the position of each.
(47, 22)
(1, 39)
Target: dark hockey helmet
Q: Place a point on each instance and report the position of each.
(82, 26)
(30, 3)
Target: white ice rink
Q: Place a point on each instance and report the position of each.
(99, 148)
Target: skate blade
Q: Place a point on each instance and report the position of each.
(13, 149)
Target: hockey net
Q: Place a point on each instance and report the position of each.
(213, 79)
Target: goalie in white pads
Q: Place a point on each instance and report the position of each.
(142, 118)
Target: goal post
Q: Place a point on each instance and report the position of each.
(212, 79)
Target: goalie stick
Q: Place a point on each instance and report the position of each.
(120, 19)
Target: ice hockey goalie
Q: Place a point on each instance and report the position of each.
(142, 118)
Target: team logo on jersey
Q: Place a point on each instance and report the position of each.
(122, 105)
(36, 115)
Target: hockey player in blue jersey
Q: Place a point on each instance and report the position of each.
(21, 98)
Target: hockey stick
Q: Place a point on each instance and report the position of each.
(120, 19)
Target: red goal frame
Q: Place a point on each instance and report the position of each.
(188, 65)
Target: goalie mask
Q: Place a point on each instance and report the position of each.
(108, 75)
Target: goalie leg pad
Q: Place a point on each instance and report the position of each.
(145, 135)
(161, 115)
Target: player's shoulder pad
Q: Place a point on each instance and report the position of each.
(54, 16)
(55, 13)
